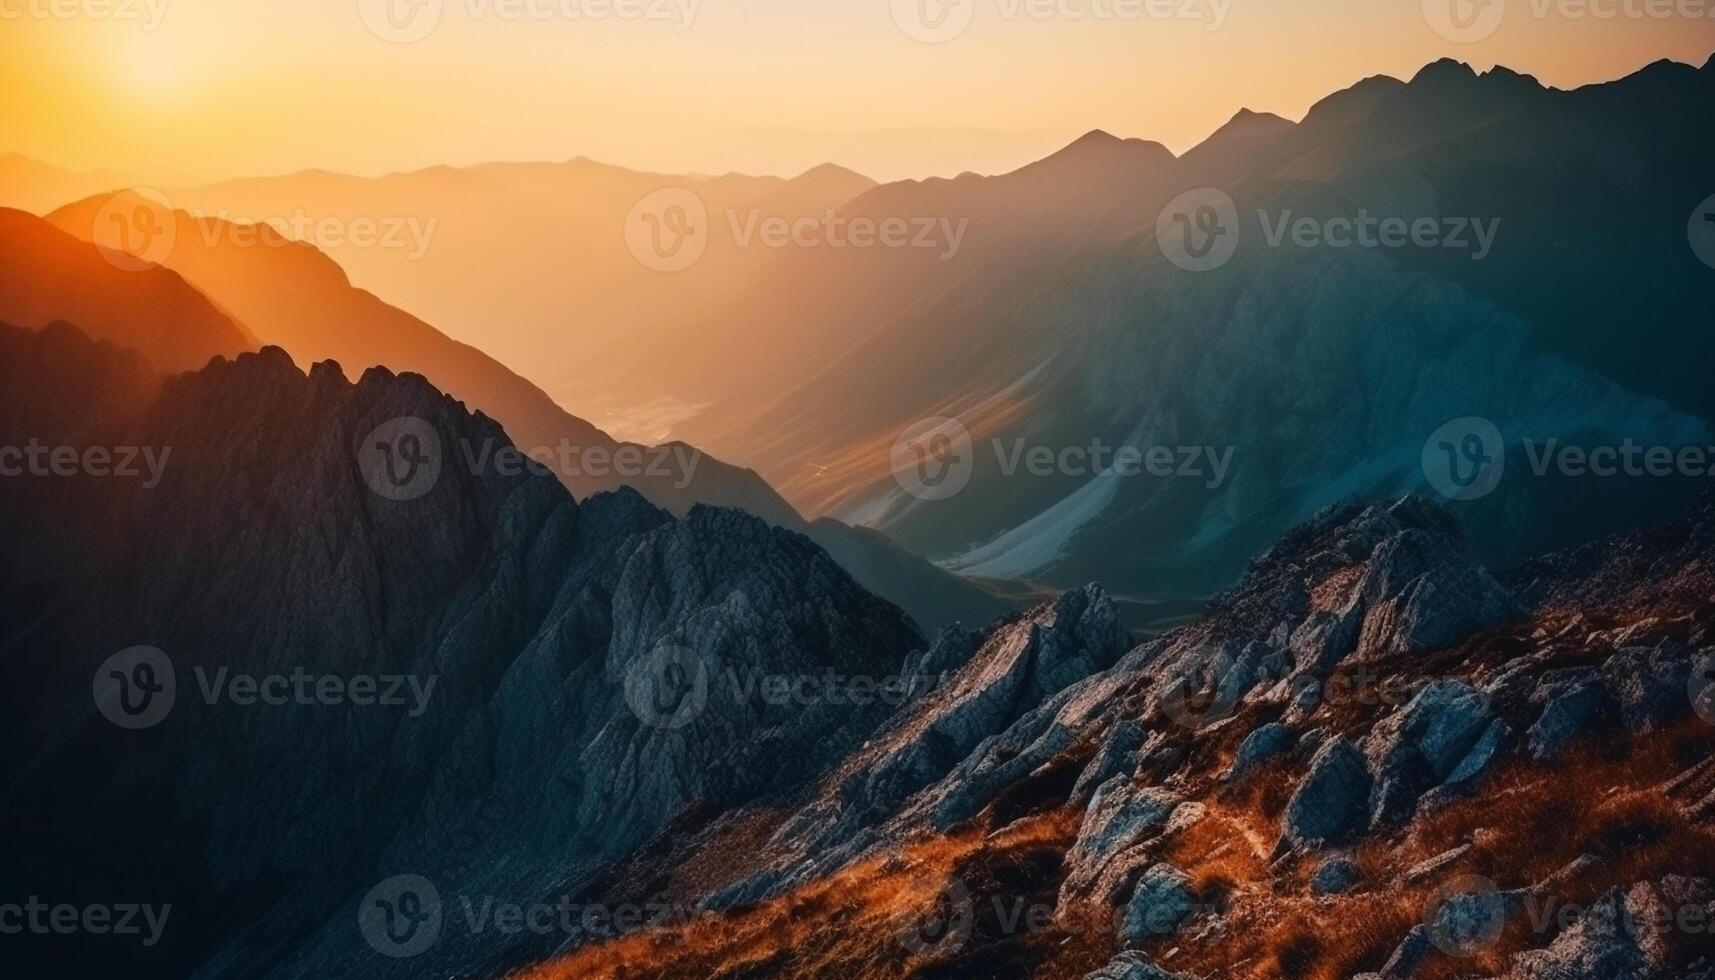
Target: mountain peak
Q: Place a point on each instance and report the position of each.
(1098, 147)
(1249, 122)
(830, 171)
(1442, 69)
(1352, 105)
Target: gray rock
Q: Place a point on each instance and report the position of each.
(1650, 685)
(1133, 965)
(1425, 744)
(1481, 758)
(1603, 944)
(1332, 801)
(1426, 592)
(1570, 713)
(1159, 906)
(1259, 746)
(1119, 753)
(1335, 875)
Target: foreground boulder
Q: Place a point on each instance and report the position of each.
(1332, 801)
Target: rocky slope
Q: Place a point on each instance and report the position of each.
(1372, 757)
(538, 644)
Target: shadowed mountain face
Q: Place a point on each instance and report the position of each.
(1323, 370)
(297, 298)
(530, 633)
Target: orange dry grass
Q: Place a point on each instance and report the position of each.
(1528, 823)
(844, 927)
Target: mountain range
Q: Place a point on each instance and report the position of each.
(1324, 369)
(250, 278)
(300, 665)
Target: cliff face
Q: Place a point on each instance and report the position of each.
(522, 646)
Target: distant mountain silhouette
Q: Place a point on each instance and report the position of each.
(529, 261)
(52, 276)
(297, 298)
(1060, 319)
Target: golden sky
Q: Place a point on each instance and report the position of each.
(220, 88)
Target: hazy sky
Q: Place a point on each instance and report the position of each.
(223, 88)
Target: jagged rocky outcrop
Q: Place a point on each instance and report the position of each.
(542, 639)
